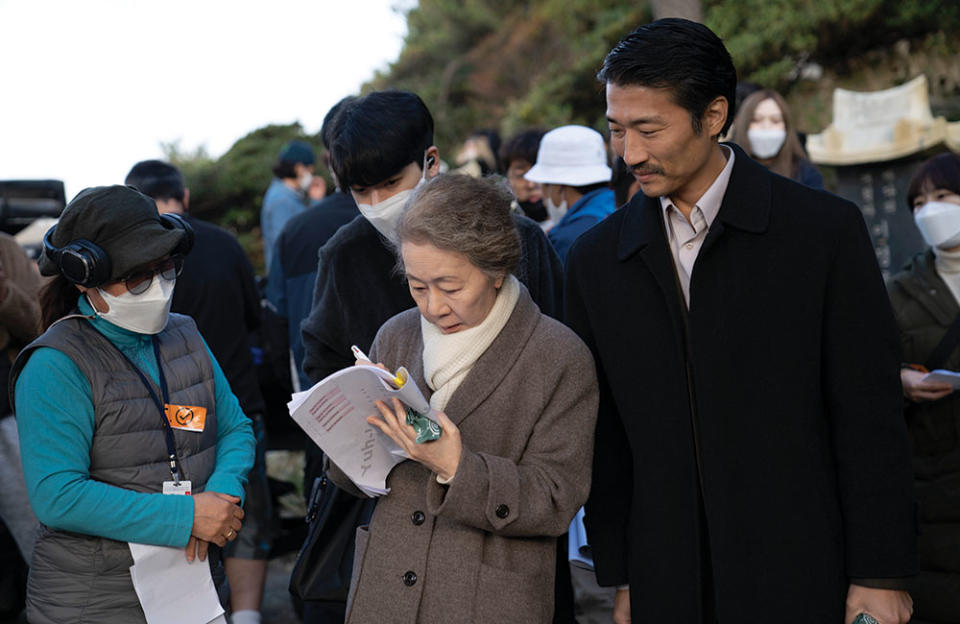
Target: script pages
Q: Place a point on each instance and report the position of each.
(334, 414)
(943, 376)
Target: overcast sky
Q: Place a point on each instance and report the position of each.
(92, 86)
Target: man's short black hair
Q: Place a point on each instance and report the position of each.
(521, 146)
(680, 55)
(377, 135)
(328, 120)
(160, 180)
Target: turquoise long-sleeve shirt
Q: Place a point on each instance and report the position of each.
(55, 419)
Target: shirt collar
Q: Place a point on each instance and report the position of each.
(709, 202)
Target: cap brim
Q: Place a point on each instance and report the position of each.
(569, 175)
(143, 246)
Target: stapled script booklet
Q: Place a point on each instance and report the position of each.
(334, 414)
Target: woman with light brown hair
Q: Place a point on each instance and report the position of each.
(468, 530)
(764, 128)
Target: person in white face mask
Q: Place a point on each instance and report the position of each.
(294, 188)
(128, 428)
(572, 169)
(926, 301)
(764, 129)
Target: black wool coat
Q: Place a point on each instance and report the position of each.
(777, 396)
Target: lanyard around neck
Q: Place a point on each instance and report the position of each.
(172, 456)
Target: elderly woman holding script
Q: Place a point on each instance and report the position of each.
(468, 529)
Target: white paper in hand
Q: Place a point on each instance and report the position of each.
(334, 414)
(171, 589)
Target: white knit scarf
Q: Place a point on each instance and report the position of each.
(448, 358)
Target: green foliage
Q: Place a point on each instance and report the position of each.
(770, 39)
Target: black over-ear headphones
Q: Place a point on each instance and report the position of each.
(86, 264)
(171, 220)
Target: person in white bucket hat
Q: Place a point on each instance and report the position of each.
(572, 167)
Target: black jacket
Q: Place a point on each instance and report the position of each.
(925, 309)
(293, 268)
(217, 289)
(775, 400)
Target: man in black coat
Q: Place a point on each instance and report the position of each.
(752, 463)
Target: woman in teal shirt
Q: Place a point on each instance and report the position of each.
(118, 403)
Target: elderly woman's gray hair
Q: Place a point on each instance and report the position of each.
(469, 216)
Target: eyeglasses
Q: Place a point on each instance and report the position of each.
(139, 281)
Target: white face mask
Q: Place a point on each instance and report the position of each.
(386, 214)
(146, 313)
(305, 181)
(939, 223)
(766, 142)
(556, 211)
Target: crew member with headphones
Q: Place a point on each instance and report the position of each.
(97, 398)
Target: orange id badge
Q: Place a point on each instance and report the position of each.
(186, 417)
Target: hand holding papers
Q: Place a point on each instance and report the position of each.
(334, 414)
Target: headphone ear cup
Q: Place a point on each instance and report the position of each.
(84, 263)
(175, 221)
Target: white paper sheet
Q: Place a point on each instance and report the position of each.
(334, 414)
(171, 589)
(943, 376)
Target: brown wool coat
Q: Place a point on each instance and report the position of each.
(483, 548)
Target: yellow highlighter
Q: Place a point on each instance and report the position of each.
(399, 378)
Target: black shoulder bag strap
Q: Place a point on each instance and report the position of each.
(945, 347)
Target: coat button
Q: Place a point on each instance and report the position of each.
(409, 578)
(502, 511)
(417, 518)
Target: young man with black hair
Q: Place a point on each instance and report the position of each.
(217, 289)
(381, 148)
(752, 462)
